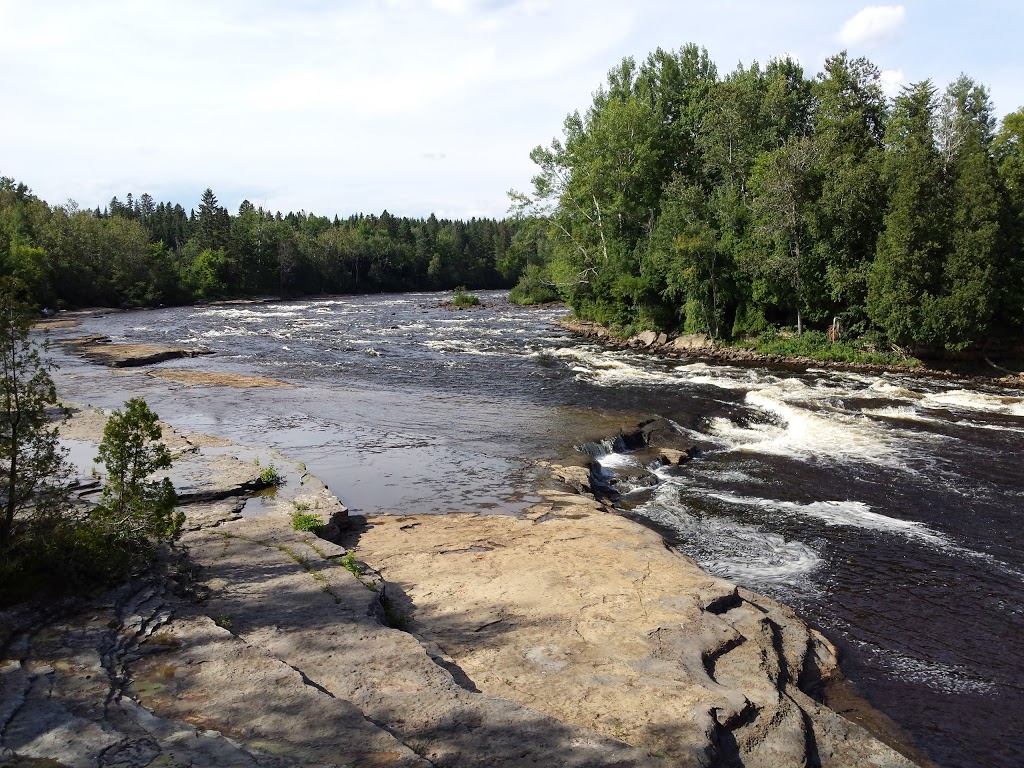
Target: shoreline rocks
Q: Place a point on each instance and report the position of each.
(701, 347)
(212, 379)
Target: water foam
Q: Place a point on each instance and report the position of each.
(901, 413)
(250, 314)
(949, 679)
(964, 400)
(895, 391)
(617, 461)
(731, 549)
(459, 347)
(852, 514)
(811, 434)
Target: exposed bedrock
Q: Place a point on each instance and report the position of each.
(651, 443)
(588, 617)
(100, 349)
(566, 637)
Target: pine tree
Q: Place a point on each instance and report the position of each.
(134, 507)
(33, 471)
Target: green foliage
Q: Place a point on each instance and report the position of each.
(33, 471)
(817, 345)
(270, 476)
(533, 288)
(134, 507)
(464, 299)
(303, 520)
(349, 563)
(47, 545)
(140, 252)
(70, 554)
(681, 201)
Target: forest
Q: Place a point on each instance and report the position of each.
(679, 201)
(138, 252)
(685, 201)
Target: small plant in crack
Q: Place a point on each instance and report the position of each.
(303, 520)
(349, 563)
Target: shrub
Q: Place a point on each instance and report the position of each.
(533, 288)
(869, 348)
(269, 476)
(464, 299)
(350, 564)
(133, 507)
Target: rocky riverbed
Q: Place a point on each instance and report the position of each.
(565, 636)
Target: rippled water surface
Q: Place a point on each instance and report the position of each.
(887, 509)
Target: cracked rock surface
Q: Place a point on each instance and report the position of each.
(570, 637)
(589, 617)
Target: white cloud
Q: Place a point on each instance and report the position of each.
(338, 107)
(892, 81)
(874, 24)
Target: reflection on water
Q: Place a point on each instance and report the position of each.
(886, 508)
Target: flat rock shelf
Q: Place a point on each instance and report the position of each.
(568, 636)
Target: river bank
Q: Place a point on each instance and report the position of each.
(566, 635)
(700, 347)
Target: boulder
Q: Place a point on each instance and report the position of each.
(577, 478)
(100, 349)
(647, 338)
(590, 619)
(654, 433)
(674, 457)
(691, 342)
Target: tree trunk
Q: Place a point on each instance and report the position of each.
(12, 502)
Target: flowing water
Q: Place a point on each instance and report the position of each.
(886, 509)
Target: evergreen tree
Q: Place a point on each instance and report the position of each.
(849, 122)
(969, 293)
(1008, 148)
(33, 471)
(212, 224)
(906, 273)
(134, 507)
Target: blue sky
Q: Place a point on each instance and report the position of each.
(416, 106)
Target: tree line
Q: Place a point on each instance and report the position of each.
(139, 252)
(686, 201)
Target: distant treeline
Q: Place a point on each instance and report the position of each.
(140, 252)
(685, 201)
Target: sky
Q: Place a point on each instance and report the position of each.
(414, 106)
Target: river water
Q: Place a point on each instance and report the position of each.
(886, 509)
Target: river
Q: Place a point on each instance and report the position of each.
(886, 509)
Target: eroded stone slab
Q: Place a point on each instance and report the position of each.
(588, 617)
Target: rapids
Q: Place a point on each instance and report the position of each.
(887, 509)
